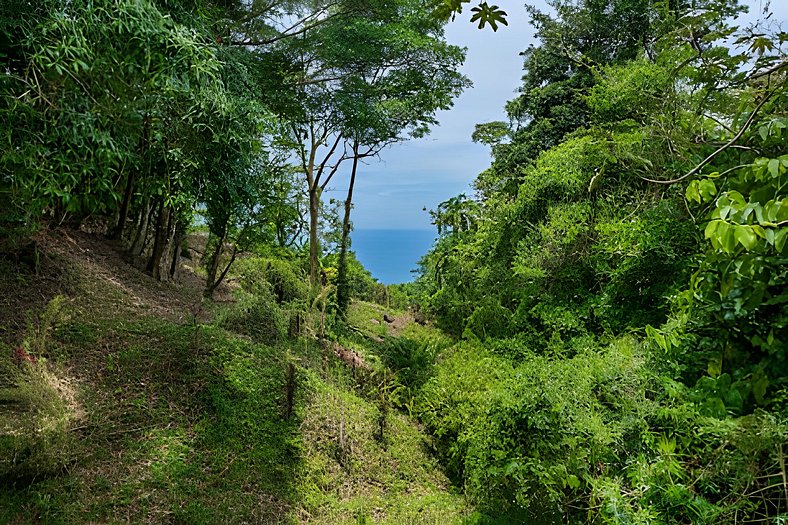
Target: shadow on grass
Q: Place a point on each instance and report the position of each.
(183, 426)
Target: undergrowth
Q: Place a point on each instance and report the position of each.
(245, 419)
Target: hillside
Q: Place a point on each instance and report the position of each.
(140, 408)
(597, 334)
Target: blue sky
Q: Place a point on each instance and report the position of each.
(392, 192)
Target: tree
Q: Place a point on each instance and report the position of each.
(559, 72)
(393, 102)
(111, 95)
(346, 64)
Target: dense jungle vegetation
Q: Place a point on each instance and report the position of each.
(598, 334)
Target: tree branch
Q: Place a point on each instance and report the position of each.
(285, 32)
(719, 150)
(328, 156)
(333, 171)
(769, 71)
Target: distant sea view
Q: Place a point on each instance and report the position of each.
(391, 254)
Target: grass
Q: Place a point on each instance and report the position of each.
(182, 426)
(368, 318)
(356, 473)
(186, 423)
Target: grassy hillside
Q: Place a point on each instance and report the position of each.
(125, 400)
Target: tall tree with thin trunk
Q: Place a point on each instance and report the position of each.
(392, 102)
(368, 79)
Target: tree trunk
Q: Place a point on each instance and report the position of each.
(142, 233)
(123, 215)
(314, 243)
(213, 264)
(343, 287)
(167, 258)
(139, 214)
(162, 269)
(209, 290)
(160, 242)
(117, 233)
(180, 233)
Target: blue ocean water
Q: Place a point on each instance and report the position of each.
(391, 254)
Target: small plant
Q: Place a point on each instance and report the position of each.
(277, 276)
(37, 339)
(38, 404)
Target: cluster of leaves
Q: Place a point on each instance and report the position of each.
(639, 188)
(738, 294)
(150, 113)
(122, 109)
(599, 435)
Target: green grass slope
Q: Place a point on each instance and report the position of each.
(141, 409)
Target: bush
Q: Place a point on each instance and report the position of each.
(550, 424)
(452, 400)
(412, 360)
(530, 436)
(264, 275)
(259, 317)
(489, 320)
(360, 283)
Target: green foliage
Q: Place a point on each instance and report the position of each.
(618, 279)
(263, 276)
(104, 110)
(490, 133)
(412, 360)
(634, 91)
(489, 320)
(554, 407)
(635, 256)
(360, 283)
(257, 316)
(453, 399)
(739, 288)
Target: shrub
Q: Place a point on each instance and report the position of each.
(259, 317)
(453, 399)
(489, 320)
(412, 360)
(550, 424)
(282, 278)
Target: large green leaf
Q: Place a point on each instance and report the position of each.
(746, 237)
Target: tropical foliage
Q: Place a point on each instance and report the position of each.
(619, 276)
(598, 334)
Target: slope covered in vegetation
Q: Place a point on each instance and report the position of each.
(133, 404)
(598, 334)
(619, 278)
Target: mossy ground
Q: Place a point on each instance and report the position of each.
(181, 421)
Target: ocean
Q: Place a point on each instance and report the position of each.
(391, 254)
